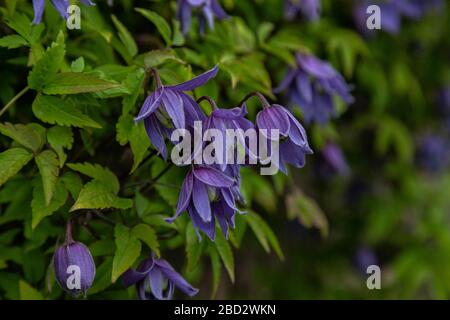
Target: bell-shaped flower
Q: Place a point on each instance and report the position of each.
(206, 11)
(309, 9)
(312, 85)
(157, 279)
(169, 107)
(60, 5)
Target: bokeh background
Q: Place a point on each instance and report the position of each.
(375, 191)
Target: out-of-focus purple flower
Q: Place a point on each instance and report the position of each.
(294, 143)
(365, 257)
(170, 107)
(74, 266)
(433, 153)
(206, 9)
(444, 100)
(208, 194)
(60, 6)
(392, 12)
(310, 9)
(335, 158)
(157, 279)
(312, 86)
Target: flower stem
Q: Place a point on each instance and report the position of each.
(13, 100)
(210, 101)
(69, 238)
(155, 74)
(259, 95)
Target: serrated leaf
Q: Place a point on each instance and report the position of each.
(95, 195)
(134, 83)
(148, 235)
(13, 41)
(128, 249)
(76, 82)
(11, 161)
(225, 252)
(194, 248)
(46, 68)
(27, 292)
(160, 23)
(31, 136)
(39, 209)
(48, 165)
(125, 36)
(23, 26)
(59, 138)
(96, 171)
(54, 110)
(72, 182)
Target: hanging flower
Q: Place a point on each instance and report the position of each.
(206, 9)
(60, 5)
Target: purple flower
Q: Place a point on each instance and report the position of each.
(206, 9)
(60, 6)
(294, 143)
(157, 279)
(310, 9)
(433, 153)
(365, 257)
(444, 100)
(74, 266)
(208, 194)
(169, 106)
(312, 86)
(334, 157)
(392, 12)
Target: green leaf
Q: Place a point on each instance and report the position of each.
(11, 161)
(27, 292)
(225, 252)
(102, 276)
(59, 138)
(77, 82)
(125, 36)
(134, 82)
(47, 67)
(160, 23)
(95, 195)
(47, 162)
(23, 26)
(77, 65)
(148, 235)
(194, 248)
(96, 171)
(31, 136)
(135, 134)
(54, 110)
(13, 41)
(72, 182)
(216, 268)
(128, 249)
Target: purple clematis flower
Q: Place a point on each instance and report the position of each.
(310, 9)
(294, 143)
(60, 6)
(363, 258)
(433, 153)
(334, 157)
(71, 259)
(170, 107)
(392, 12)
(153, 277)
(208, 194)
(207, 9)
(312, 86)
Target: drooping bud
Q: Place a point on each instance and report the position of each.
(74, 266)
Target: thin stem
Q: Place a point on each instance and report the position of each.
(155, 179)
(13, 100)
(69, 238)
(210, 101)
(155, 74)
(257, 94)
(103, 217)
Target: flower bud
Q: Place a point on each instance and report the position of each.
(74, 266)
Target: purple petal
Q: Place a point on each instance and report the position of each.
(218, 10)
(207, 227)
(173, 276)
(87, 2)
(287, 80)
(156, 135)
(174, 107)
(291, 153)
(315, 66)
(304, 86)
(151, 103)
(213, 177)
(184, 15)
(131, 277)
(273, 118)
(38, 6)
(185, 196)
(61, 6)
(197, 81)
(201, 200)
